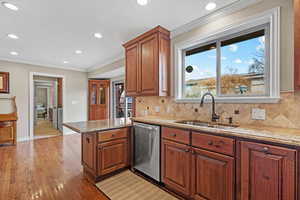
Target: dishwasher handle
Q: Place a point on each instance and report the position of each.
(145, 127)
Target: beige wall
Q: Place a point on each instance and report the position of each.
(287, 53)
(106, 68)
(75, 91)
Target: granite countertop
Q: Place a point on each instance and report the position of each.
(98, 125)
(271, 134)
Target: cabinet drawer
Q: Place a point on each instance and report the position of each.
(213, 143)
(176, 135)
(112, 134)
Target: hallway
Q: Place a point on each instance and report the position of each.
(44, 128)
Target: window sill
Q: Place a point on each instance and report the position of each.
(234, 100)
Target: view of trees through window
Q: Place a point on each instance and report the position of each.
(241, 65)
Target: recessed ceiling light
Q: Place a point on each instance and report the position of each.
(98, 35)
(210, 6)
(65, 62)
(78, 52)
(10, 6)
(142, 2)
(13, 36)
(14, 53)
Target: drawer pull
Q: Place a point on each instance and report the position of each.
(174, 135)
(187, 150)
(266, 149)
(113, 135)
(210, 143)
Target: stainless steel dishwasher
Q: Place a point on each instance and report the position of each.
(147, 149)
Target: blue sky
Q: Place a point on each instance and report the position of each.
(236, 56)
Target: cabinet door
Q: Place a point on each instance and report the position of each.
(88, 151)
(176, 163)
(132, 70)
(267, 172)
(149, 65)
(112, 156)
(212, 176)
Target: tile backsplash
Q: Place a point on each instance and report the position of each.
(285, 114)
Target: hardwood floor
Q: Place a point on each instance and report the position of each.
(45, 169)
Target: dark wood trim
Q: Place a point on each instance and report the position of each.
(59, 92)
(297, 43)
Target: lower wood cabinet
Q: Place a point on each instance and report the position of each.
(105, 152)
(176, 170)
(112, 156)
(212, 176)
(267, 172)
(88, 151)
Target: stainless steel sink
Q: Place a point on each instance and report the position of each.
(207, 124)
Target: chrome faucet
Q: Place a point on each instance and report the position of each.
(214, 116)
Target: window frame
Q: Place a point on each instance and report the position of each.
(270, 22)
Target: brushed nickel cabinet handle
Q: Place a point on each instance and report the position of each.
(210, 143)
(174, 135)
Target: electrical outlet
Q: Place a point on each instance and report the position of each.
(169, 109)
(157, 109)
(258, 114)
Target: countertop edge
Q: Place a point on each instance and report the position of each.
(95, 131)
(222, 132)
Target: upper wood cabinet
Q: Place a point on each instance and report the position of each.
(267, 172)
(148, 64)
(297, 43)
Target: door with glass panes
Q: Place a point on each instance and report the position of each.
(98, 99)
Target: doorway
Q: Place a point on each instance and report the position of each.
(47, 106)
(122, 105)
(99, 99)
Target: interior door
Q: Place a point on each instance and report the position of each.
(98, 99)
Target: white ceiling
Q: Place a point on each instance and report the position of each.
(51, 30)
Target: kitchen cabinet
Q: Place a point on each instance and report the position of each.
(88, 151)
(212, 176)
(8, 121)
(297, 43)
(98, 99)
(148, 64)
(105, 152)
(176, 163)
(267, 172)
(112, 156)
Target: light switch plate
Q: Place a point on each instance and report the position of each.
(258, 114)
(157, 109)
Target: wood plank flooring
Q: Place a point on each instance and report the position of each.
(45, 169)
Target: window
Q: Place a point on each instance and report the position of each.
(236, 65)
(240, 61)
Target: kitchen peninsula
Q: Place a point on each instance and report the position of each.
(105, 146)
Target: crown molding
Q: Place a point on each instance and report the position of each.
(38, 64)
(231, 8)
(107, 62)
